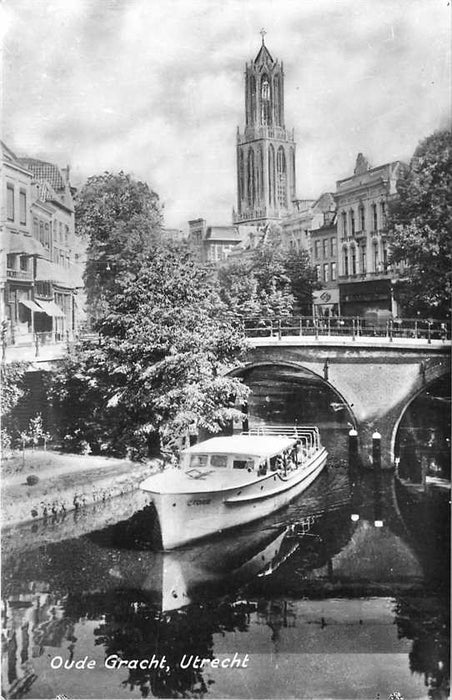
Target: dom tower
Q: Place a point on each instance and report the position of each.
(265, 149)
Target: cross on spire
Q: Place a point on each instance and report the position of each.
(262, 33)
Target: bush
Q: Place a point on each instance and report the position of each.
(32, 479)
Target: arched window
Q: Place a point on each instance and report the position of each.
(241, 176)
(253, 99)
(364, 259)
(353, 257)
(292, 167)
(281, 178)
(276, 99)
(260, 173)
(344, 223)
(345, 260)
(265, 101)
(375, 255)
(251, 180)
(362, 220)
(352, 222)
(271, 175)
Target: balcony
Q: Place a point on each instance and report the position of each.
(23, 275)
(269, 132)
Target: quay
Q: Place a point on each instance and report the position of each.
(67, 483)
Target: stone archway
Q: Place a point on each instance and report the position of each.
(298, 379)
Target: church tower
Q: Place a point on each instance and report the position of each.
(265, 149)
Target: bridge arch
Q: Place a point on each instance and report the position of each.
(306, 371)
(431, 378)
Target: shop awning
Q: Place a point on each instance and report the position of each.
(50, 308)
(19, 244)
(31, 305)
(67, 277)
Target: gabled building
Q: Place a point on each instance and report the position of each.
(366, 280)
(40, 274)
(213, 243)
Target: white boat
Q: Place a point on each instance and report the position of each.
(225, 482)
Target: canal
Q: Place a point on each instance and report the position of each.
(344, 594)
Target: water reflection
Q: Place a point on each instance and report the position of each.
(322, 577)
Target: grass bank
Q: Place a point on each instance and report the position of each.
(65, 482)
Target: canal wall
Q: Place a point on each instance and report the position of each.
(27, 536)
(67, 483)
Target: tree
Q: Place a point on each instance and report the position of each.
(120, 218)
(419, 228)
(268, 280)
(167, 344)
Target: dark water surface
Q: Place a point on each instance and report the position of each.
(344, 594)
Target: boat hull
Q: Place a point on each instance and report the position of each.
(185, 517)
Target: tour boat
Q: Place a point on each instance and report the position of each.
(225, 482)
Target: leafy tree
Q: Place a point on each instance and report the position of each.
(302, 278)
(420, 226)
(120, 218)
(166, 345)
(13, 391)
(268, 280)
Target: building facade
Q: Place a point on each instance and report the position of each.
(39, 274)
(213, 243)
(366, 280)
(266, 180)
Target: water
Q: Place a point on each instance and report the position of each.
(344, 594)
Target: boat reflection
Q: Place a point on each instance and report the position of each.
(340, 571)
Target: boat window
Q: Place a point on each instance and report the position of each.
(219, 461)
(198, 461)
(243, 464)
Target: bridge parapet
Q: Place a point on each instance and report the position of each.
(346, 327)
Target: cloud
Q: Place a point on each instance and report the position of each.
(156, 88)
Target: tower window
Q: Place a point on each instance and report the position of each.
(253, 99)
(271, 175)
(281, 178)
(251, 178)
(265, 101)
(241, 176)
(277, 99)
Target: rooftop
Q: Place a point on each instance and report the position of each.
(45, 171)
(249, 445)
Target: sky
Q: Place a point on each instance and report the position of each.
(156, 87)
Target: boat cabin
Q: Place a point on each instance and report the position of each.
(250, 452)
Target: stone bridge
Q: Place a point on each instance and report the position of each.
(375, 378)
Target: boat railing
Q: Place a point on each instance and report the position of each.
(308, 435)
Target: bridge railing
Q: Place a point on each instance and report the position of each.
(351, 327)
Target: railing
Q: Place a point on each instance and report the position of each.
(352, 327)
(29, 346)
(19, 274)
(308, 436)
